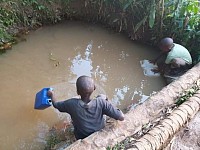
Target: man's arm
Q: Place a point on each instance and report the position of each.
(154, 61)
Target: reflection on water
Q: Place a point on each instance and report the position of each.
(56, 56)
(82, 65)
(120, 95)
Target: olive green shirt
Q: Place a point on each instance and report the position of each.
(179, 51)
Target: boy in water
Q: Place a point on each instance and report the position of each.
(86, 113)
(178, 59)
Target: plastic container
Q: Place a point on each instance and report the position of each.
(42, 100)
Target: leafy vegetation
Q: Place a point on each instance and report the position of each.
(18, 16)
(181, 20)
(147, 21)
(52, 140)
(60, 137)
(188, 93)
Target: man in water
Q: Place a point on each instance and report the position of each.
(178, 59)
(86, 113)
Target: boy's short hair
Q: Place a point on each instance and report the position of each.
(85, 84)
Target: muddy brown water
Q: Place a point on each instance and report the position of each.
(55, 56)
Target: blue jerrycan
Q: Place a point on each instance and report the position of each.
(42, 100)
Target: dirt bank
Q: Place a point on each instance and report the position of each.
(188, 138)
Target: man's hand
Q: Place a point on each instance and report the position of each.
(156, 70)
(153, 61)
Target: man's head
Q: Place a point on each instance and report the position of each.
(166, 44)
(85, 86)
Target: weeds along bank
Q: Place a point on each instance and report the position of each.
(19, 16)
(147, 21)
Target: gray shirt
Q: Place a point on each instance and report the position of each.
(87, 118)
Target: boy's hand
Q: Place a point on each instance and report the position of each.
(50, 93)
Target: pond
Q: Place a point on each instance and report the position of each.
(55, 56)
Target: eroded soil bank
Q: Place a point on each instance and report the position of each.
(188, 138)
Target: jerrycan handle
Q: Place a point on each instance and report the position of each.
(49, 99)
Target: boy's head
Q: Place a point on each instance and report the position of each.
(85, 86)
(166, 44)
